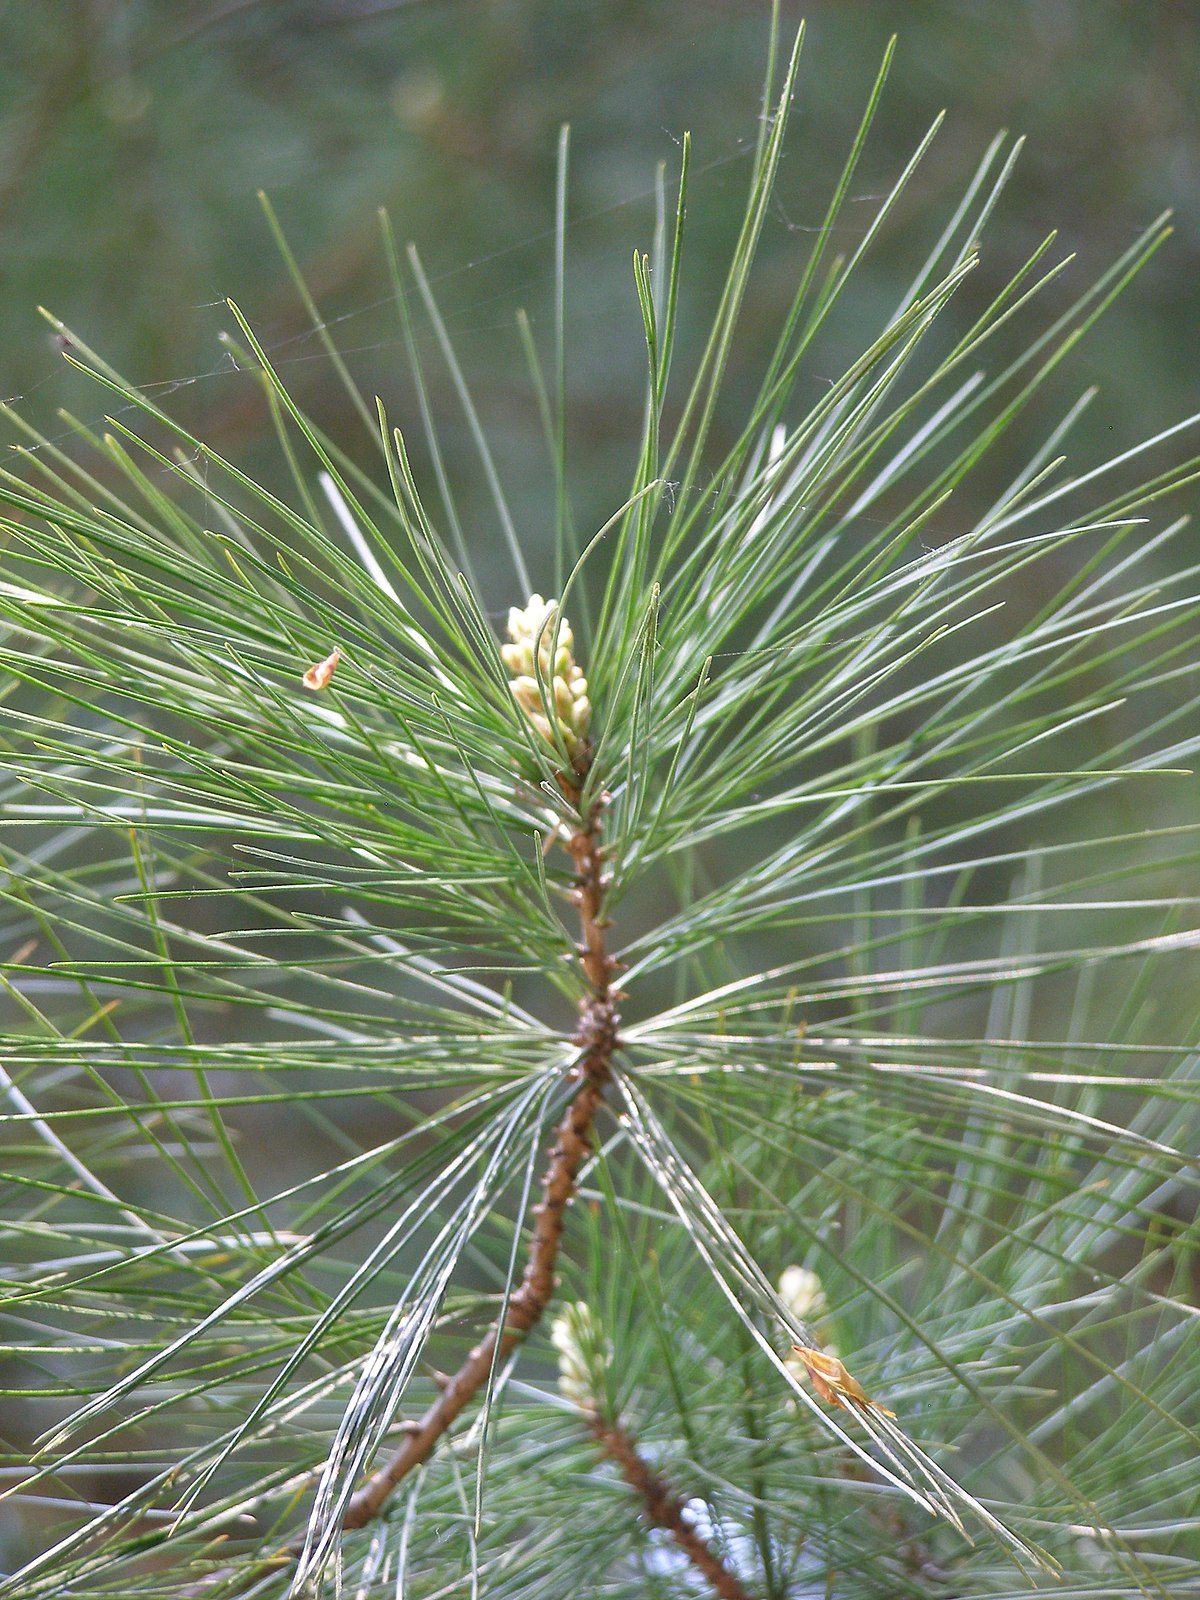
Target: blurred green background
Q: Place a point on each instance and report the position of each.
(134, 137)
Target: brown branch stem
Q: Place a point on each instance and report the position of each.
(661, 1507)
(597, 1037)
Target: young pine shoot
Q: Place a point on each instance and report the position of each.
(409, 985)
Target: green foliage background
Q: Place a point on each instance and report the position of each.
(135, 134)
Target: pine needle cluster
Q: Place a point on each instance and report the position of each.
(742, 994)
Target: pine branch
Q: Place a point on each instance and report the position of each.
(597, 1038)
(585, 1357)
(661, 1507)
(822, 750)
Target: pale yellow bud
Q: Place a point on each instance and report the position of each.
(527, 694)
(583, 1355)
(563, 700)
(801, 1292)
(531, 632)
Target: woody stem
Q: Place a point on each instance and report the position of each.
(596, 1036)
(661, 1507)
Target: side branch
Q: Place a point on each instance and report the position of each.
(597, 1037)
(661, 1507)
